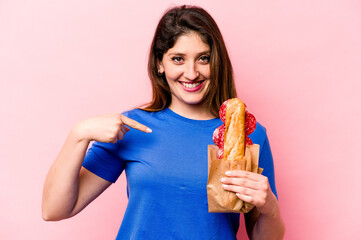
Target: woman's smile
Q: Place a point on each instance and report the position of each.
(191, 86)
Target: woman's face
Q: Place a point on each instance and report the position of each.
(187, 70)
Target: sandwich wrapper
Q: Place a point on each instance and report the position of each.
(220, 200)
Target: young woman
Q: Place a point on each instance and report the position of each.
(163, 147)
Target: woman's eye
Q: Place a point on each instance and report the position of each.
(177, 59)
(204, 59)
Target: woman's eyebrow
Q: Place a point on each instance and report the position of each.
(205, 52)
(177, 53)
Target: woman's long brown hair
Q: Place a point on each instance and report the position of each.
(176, 22)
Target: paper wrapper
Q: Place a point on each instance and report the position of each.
(220, 200)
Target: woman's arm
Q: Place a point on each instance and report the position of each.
(265, 226)
(68, 187)
(64, 183)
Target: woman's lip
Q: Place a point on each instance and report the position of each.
(192, 89)
(192, 81)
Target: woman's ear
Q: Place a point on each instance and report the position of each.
(160, 67)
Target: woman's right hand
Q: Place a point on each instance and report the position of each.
(107, 128)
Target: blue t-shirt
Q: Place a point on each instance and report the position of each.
(166, 173)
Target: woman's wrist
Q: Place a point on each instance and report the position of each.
(271, 208)
(79, 132)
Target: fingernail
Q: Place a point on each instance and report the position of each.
(228, 173)
(223, 179)
(224, 185)
(238, 195)
(149, 130)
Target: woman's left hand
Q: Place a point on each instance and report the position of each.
(252, 188)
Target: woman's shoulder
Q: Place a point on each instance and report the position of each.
(143, 116)
(259, 135)
(260, 129)
(134, 112)
(138, 112)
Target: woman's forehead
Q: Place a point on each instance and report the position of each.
(189, 43)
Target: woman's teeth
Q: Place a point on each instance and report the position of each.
(191, 85)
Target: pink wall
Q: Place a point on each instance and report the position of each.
(297, 65)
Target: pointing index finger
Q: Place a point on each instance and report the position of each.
(134, 124)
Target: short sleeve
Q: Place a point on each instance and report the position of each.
(266, 162)
(102, 160)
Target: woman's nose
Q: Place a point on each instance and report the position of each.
(191, 72)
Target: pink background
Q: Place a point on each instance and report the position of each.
(297, 65)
